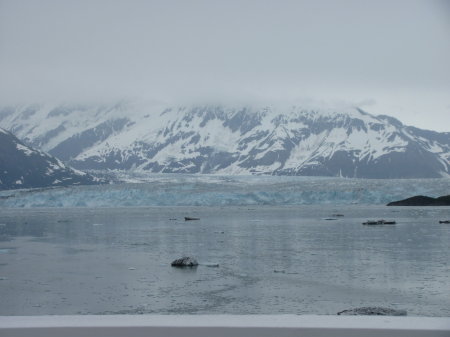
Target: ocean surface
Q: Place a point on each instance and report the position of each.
(254, 259)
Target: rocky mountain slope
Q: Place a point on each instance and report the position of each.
(290, 140)
(24, 167)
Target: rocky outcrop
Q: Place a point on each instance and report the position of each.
(421, 200)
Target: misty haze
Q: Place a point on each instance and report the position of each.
(224, 157)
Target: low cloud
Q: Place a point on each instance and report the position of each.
(225, 51)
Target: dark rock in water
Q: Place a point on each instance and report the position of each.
(185, 262)
(373, 311)
(421, 200)
(188, 218)
(444, 221)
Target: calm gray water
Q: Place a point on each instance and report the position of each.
(272, 260)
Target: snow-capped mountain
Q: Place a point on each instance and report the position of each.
(222, 139)
(24, 167)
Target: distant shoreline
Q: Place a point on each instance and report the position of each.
(421, 200)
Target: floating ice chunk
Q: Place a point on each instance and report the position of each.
(185, 261)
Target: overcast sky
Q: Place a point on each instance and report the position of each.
(389, 57)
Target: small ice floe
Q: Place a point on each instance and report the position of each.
(2, 225)
(131, 268)
(3, 278)
(373, 311)
(379, 222)
(4, 250)
(185, 261)
(97, 224)
(188, 218)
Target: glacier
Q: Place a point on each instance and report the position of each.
(217, 190)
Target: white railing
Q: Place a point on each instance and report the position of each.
(222, 325)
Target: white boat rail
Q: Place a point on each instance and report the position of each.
(222, 325)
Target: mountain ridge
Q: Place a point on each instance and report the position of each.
(293, 140)
(24, 167)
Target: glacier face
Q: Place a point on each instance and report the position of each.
(214, 190)
(207, 139)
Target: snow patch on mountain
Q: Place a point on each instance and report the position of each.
(25, 150)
